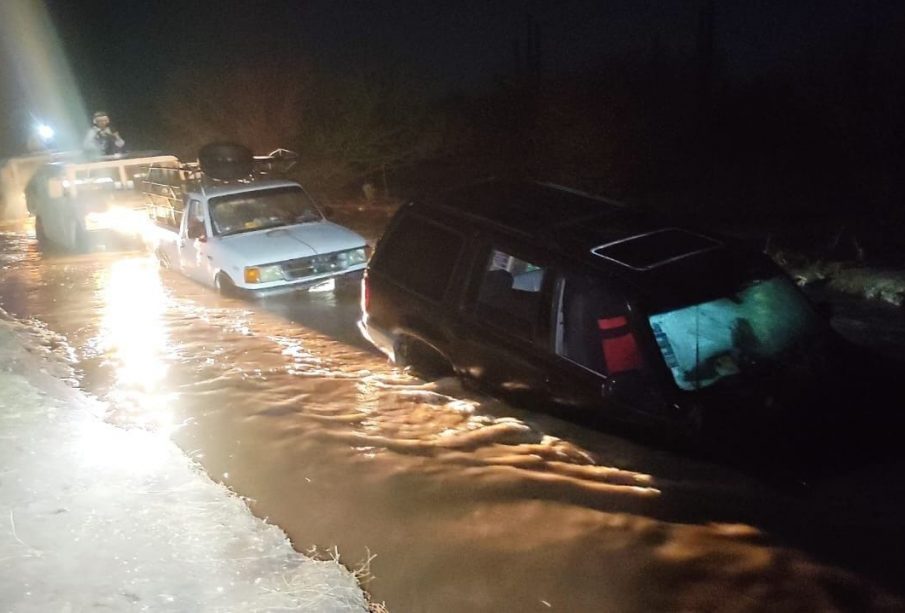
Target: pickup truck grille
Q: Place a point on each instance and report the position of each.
(314, 265)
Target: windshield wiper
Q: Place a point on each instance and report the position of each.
(271, 226)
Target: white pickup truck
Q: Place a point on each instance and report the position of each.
(253, 238)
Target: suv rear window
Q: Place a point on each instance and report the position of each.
(420, 255)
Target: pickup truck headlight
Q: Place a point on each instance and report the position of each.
(354, 257)
(263, 274)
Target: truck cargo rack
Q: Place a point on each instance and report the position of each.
(165, 186)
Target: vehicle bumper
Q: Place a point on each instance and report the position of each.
(378, 337)
(351, 277)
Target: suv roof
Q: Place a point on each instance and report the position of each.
(528, 208)
(671, 265)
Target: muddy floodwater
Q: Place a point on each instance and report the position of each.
(460, 502)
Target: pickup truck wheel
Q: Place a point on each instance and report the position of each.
(225, 285)
(162, 258)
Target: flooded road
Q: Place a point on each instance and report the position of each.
(460, 502)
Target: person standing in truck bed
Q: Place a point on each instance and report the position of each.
(101, 138)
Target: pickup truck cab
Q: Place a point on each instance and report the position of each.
(255, 238)
(80, 205)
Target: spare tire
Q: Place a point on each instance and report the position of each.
(226, 161)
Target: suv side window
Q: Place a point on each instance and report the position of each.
(421, 256)
(510, 294)
(593, 327)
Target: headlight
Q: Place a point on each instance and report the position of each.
(263, 274)
(117, 218)
(353, 257)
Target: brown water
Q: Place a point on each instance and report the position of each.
(464, 503)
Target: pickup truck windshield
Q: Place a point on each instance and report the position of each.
(761, 324)
(258, 210)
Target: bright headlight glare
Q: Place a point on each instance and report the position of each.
(45, 132)
(117, 218)
(263, 274)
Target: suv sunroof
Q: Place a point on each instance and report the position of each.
(653, 249)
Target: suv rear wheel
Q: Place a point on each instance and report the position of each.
(421, 359)
(162, 258)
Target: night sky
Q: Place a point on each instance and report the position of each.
(124, 52)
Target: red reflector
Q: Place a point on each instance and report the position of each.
(612, 323)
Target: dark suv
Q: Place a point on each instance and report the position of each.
(550, 294)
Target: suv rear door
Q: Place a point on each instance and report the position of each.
(504, 328)
(598, 346)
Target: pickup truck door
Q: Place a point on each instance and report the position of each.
(193, 243)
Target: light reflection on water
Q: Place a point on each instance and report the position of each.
(133, 337)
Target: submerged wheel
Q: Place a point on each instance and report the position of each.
(421, 359)
(162, 258)
(224, 285)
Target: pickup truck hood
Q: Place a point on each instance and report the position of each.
(290, 242)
